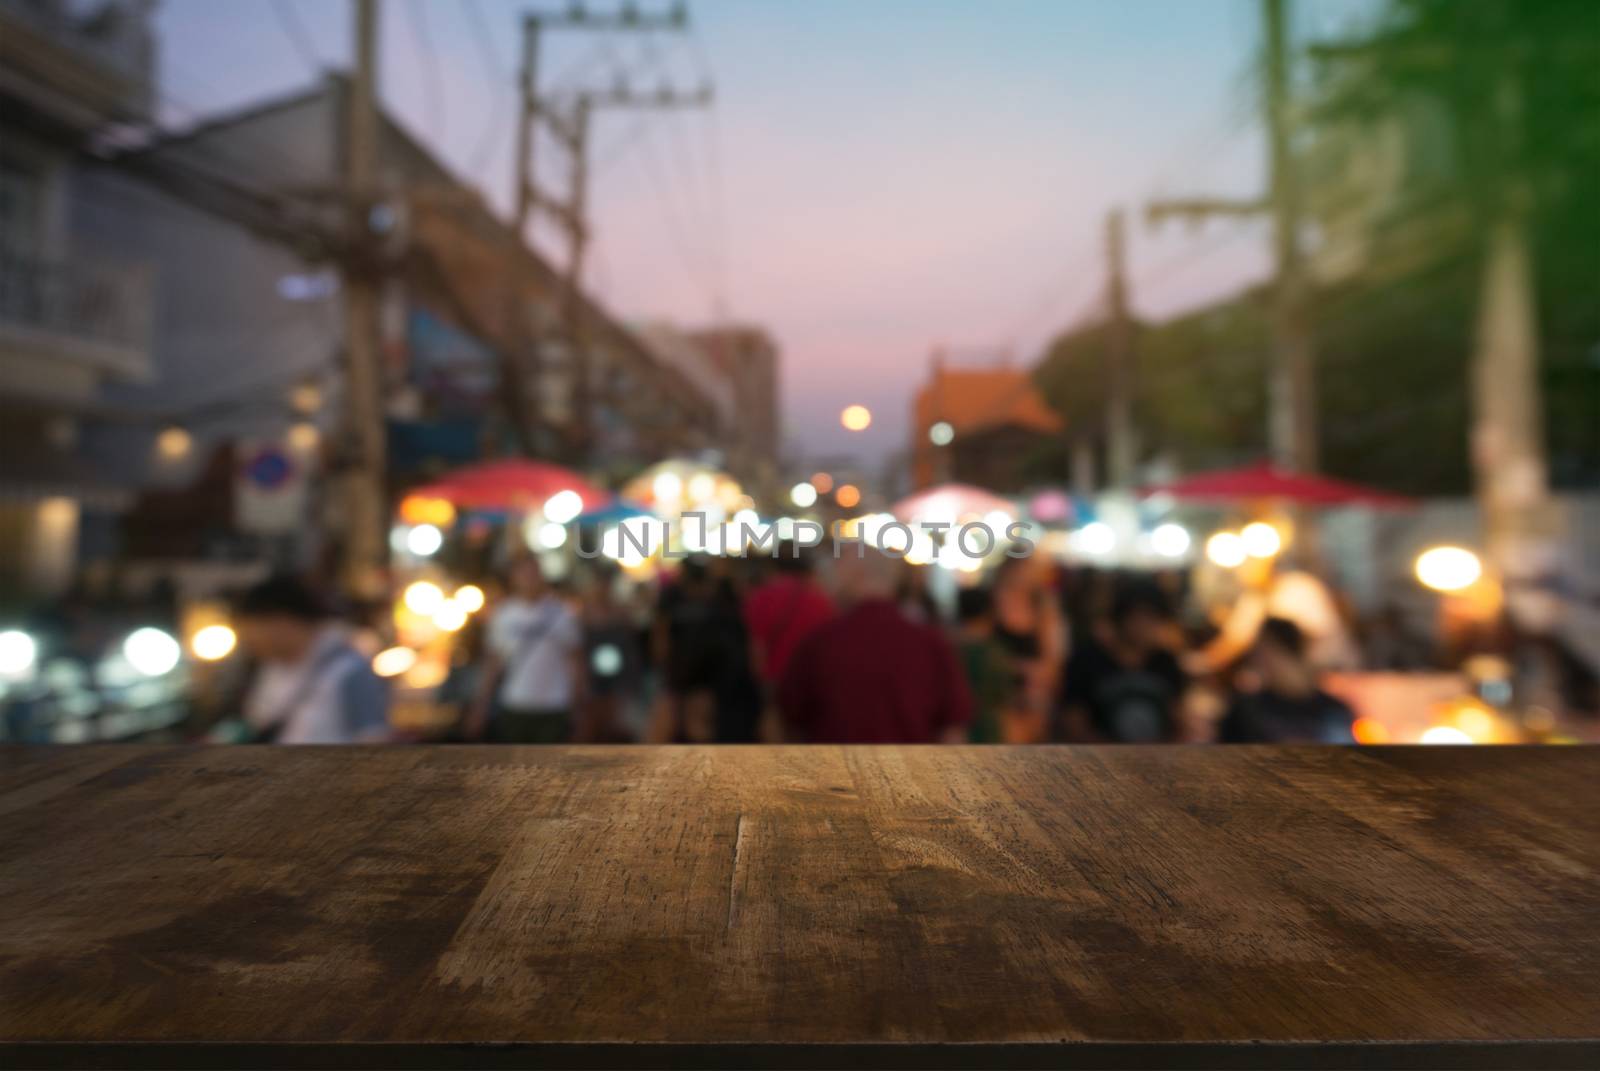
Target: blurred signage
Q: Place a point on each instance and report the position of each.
(270, 488)
(416, 445)
(454, 371)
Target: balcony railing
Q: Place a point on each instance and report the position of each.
(77, 299)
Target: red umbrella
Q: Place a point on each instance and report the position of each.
(511, 484)
(1262, 480)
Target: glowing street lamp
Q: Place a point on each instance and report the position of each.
(856, 418)
(941, 433)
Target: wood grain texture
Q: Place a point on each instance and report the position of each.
(939, 906)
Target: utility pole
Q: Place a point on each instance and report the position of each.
(527, 197)
(1122, 448)
(365, 485)
(1292, 425)
(534, 25)
(1293, 393)
(571, 128)
(572, 312)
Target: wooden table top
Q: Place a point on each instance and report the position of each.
(800, 906)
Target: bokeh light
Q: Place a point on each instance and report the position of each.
(304, 437)
(1170, 540)
(1260, 540)
(17, 653)
(1226, 549)
(152, 652)
(856, 418)
(393, 661)
(449, 617)
(1448, 568)
(1095, 538)
(423, 597)
(174, 443)
(424, 540)
(563, 506)
(213, 643)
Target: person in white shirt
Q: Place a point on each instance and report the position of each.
(533, 681)
(312, 685)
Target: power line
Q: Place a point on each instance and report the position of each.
(681, 245)
(652, 62)
(710, 150)
(1191, 255)
(568, 80)
(295, 30)
(498, 74)
(1053, 297)
(614, 151)
(682, 209)
(422, 36)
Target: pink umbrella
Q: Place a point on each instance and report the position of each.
(951, 502)
(1264, 481)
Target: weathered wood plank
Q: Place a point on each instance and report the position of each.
(628, 904)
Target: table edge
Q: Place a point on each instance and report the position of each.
(1576, 1053)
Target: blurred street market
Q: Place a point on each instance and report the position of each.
(447, 373)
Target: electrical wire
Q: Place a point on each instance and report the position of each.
(649, 164)
(711, 132)
(422, 38)
(500, 78)
(1192, 255)
(1238, 105)
(295, 30)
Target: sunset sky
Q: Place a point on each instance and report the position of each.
(875, 178)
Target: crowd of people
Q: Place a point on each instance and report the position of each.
(809, 647)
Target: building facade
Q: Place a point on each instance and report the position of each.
(71, 320)
(987, 426)
(207, 399)
(748, 359)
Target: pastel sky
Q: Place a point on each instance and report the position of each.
(876, 177)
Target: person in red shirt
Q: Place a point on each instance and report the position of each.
(872, 675)
(784, 610)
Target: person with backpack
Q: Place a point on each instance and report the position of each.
(311, 685)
